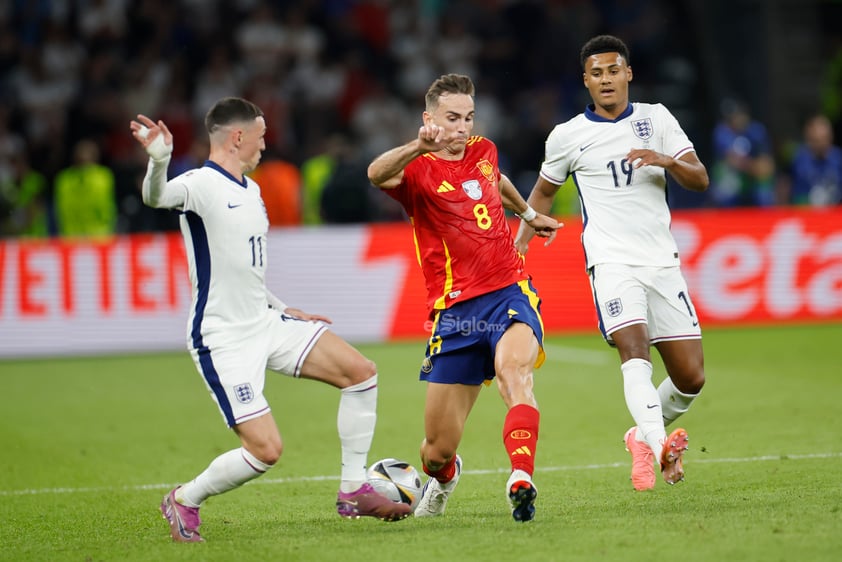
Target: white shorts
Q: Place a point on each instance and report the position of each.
(656, 296)
(235, 372)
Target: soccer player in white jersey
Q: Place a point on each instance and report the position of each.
(237, 328)
(619, 154)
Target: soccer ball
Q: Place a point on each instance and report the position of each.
(397, 480)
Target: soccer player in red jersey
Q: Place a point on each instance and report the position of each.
(485, 313)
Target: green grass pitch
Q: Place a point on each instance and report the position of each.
(88, 446)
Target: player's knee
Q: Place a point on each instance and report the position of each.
(273, 454)
(269, 452)
(434, 459)
(691, 381)
(436, 453)
(696, 382)
(360, 369)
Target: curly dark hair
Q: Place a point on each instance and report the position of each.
(604, 44)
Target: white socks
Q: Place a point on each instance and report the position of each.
(673, 401)
(227, 471)
(355, 422)
(644, 403)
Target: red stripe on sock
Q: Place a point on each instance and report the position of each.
(445, 473)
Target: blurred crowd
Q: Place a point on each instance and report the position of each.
(340, 81)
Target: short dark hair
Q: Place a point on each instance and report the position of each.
(230, 110)
(448, 84)
(603, 44)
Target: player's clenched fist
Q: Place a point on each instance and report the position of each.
(431, 138)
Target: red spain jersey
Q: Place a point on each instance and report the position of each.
(462, 240)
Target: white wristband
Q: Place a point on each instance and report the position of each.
(528, 214)
(158, 149)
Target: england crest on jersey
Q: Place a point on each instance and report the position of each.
(244, 393)
(614, 307)
(473, 189)
(643, 128)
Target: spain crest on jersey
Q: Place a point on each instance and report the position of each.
(486, 168)
(473, 189)
(643, 128)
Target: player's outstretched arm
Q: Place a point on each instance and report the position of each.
(386, 171)
(157, 140)
(542, 224)
(540, 199)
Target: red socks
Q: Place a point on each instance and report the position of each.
(520, 436)
(445, 474)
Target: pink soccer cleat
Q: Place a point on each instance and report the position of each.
(643, 462)
(184, 521)
(672, 455)
(367, 502)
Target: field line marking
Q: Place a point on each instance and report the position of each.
(567, 354)
(141, 487)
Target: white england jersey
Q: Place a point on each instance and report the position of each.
(224, 225)
(625, 214)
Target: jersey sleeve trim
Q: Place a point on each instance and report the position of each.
(549, 178)
(684, 151)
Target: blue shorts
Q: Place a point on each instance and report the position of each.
(464, 337)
